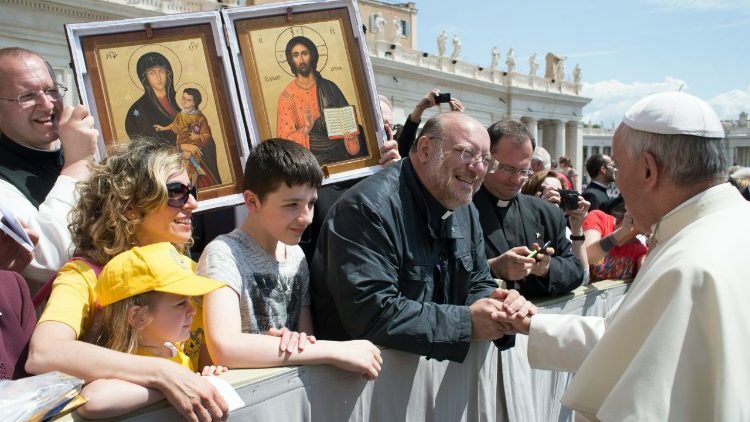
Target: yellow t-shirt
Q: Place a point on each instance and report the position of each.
(192, 346)
(73, 302)
(179, 358)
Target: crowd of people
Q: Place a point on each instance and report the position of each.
(440, 248)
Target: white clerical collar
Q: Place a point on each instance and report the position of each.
(503, 203)
(447, 214)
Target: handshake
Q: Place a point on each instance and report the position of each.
(505, 312)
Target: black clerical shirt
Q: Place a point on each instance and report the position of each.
(32, 172)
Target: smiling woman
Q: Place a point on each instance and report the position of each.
(139, 195)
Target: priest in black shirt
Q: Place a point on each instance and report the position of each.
(44, 151)
(515, 224)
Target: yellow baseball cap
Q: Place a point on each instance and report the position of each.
(157, 267)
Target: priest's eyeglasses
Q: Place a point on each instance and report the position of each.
(512, 171)
(468, 156)
(28, 98)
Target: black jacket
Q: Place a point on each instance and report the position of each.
(597, 195)
(542, 221)
(373, 274)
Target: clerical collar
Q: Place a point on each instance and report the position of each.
(503, 203)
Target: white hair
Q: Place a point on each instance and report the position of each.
(542, 155)
(687, 159)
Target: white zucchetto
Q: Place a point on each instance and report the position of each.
(674, 113)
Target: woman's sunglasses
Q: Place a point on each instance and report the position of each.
(179, 194)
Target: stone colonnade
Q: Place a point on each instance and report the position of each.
(556, 136)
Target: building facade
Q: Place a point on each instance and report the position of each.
(549, 104)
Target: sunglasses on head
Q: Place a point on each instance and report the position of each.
(179, 194)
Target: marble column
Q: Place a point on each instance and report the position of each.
(730, 150)
(540, 134)
(559, 136)
(549, 138)
(531, 125)
(574, 147)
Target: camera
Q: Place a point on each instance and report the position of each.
(568, 199)
(445, 97)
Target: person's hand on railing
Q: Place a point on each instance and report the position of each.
(291, 340)
(357, 356)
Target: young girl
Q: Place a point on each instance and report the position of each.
(145, 296)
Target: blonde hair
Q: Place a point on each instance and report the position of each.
(115, 332)
(132, 178)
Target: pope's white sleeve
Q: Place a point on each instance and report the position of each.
(562, 342)
(50, 221)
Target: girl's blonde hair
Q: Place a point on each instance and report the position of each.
(131, 178)
(115, 332)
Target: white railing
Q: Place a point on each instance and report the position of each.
(411, 387)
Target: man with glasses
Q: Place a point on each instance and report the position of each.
(602, 171)
(514, 224)
(399, 260)
(44, 149)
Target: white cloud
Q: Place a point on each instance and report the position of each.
(610, 99)
(670, 5)
(728, 105)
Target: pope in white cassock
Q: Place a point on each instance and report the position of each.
(677, 346)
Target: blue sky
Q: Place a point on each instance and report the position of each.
(626, 49)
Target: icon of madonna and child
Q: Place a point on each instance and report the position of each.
(157, 114)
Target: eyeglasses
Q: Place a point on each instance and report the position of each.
(179, 194)
(468, 157)
(512, 171)
(25, 99)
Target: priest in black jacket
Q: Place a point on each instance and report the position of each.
(399, 260)
(515, 224)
